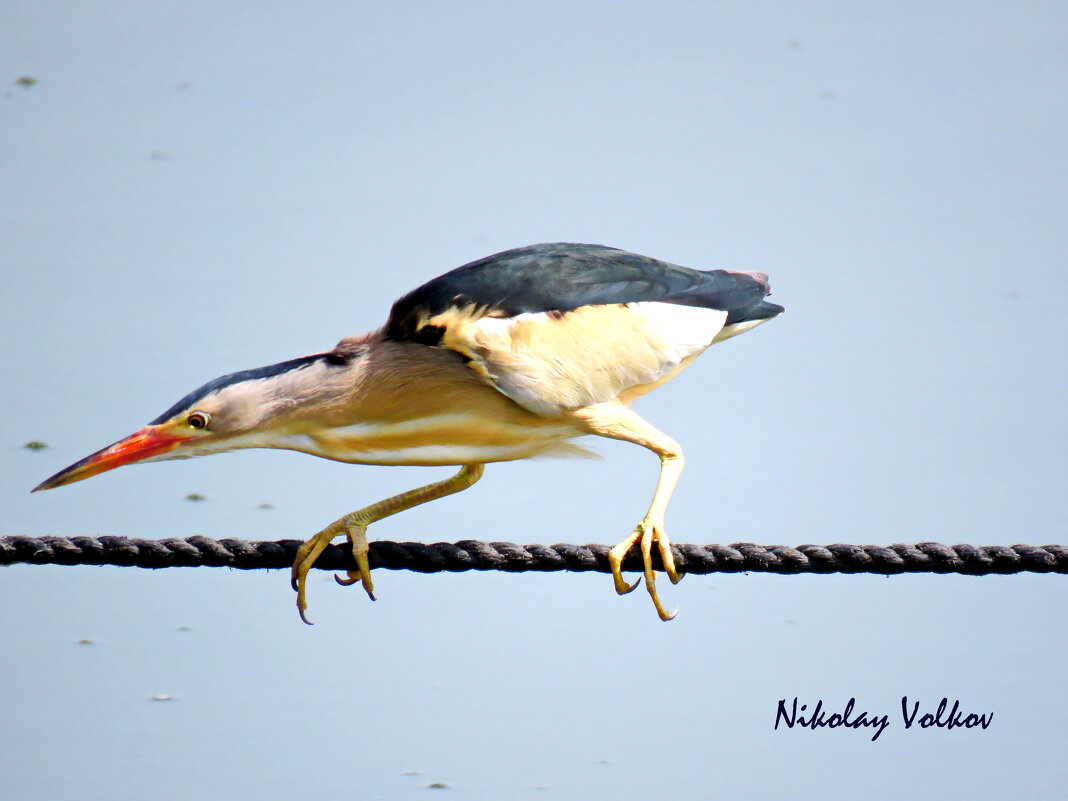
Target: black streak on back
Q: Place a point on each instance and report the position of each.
(428, 335)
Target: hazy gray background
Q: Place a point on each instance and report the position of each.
(194, 188)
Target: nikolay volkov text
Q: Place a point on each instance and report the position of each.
(944, 717)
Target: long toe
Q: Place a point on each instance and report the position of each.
(650, 534)
(667, 556)
(615, 561)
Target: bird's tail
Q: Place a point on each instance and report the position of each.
(764, 310)
(740, 294)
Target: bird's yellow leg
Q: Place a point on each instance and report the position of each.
(355, 525)
(619, 422)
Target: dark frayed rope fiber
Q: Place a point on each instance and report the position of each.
(923, 557)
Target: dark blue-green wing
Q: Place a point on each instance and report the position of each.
(561, 277)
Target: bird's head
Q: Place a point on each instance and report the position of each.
(268, 407)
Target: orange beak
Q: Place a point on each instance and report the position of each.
(149, 441)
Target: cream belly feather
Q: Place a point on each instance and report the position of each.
(446, 439)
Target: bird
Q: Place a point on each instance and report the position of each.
(508, 357)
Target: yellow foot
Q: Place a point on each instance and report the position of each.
(360, 549)
(647, 532)
(310, 551)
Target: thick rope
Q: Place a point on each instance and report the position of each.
(923, 557)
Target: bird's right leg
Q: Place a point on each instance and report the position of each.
(619, 422)
(355, 525)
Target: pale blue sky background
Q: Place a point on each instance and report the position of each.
(194, 188)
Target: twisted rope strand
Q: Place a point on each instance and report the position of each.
(923, 557)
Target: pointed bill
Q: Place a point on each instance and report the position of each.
(149, 441)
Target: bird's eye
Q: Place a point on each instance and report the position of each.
(199, 420)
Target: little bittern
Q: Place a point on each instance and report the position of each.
(504, 358)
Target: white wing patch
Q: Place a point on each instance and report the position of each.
(550, 363)
(684, 331)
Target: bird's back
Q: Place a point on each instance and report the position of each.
(561, 276)
(561, 326)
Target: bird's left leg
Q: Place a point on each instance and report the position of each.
(355, 526)
(618, 422)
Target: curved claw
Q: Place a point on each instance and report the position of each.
(300, 585)
(352, 577)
